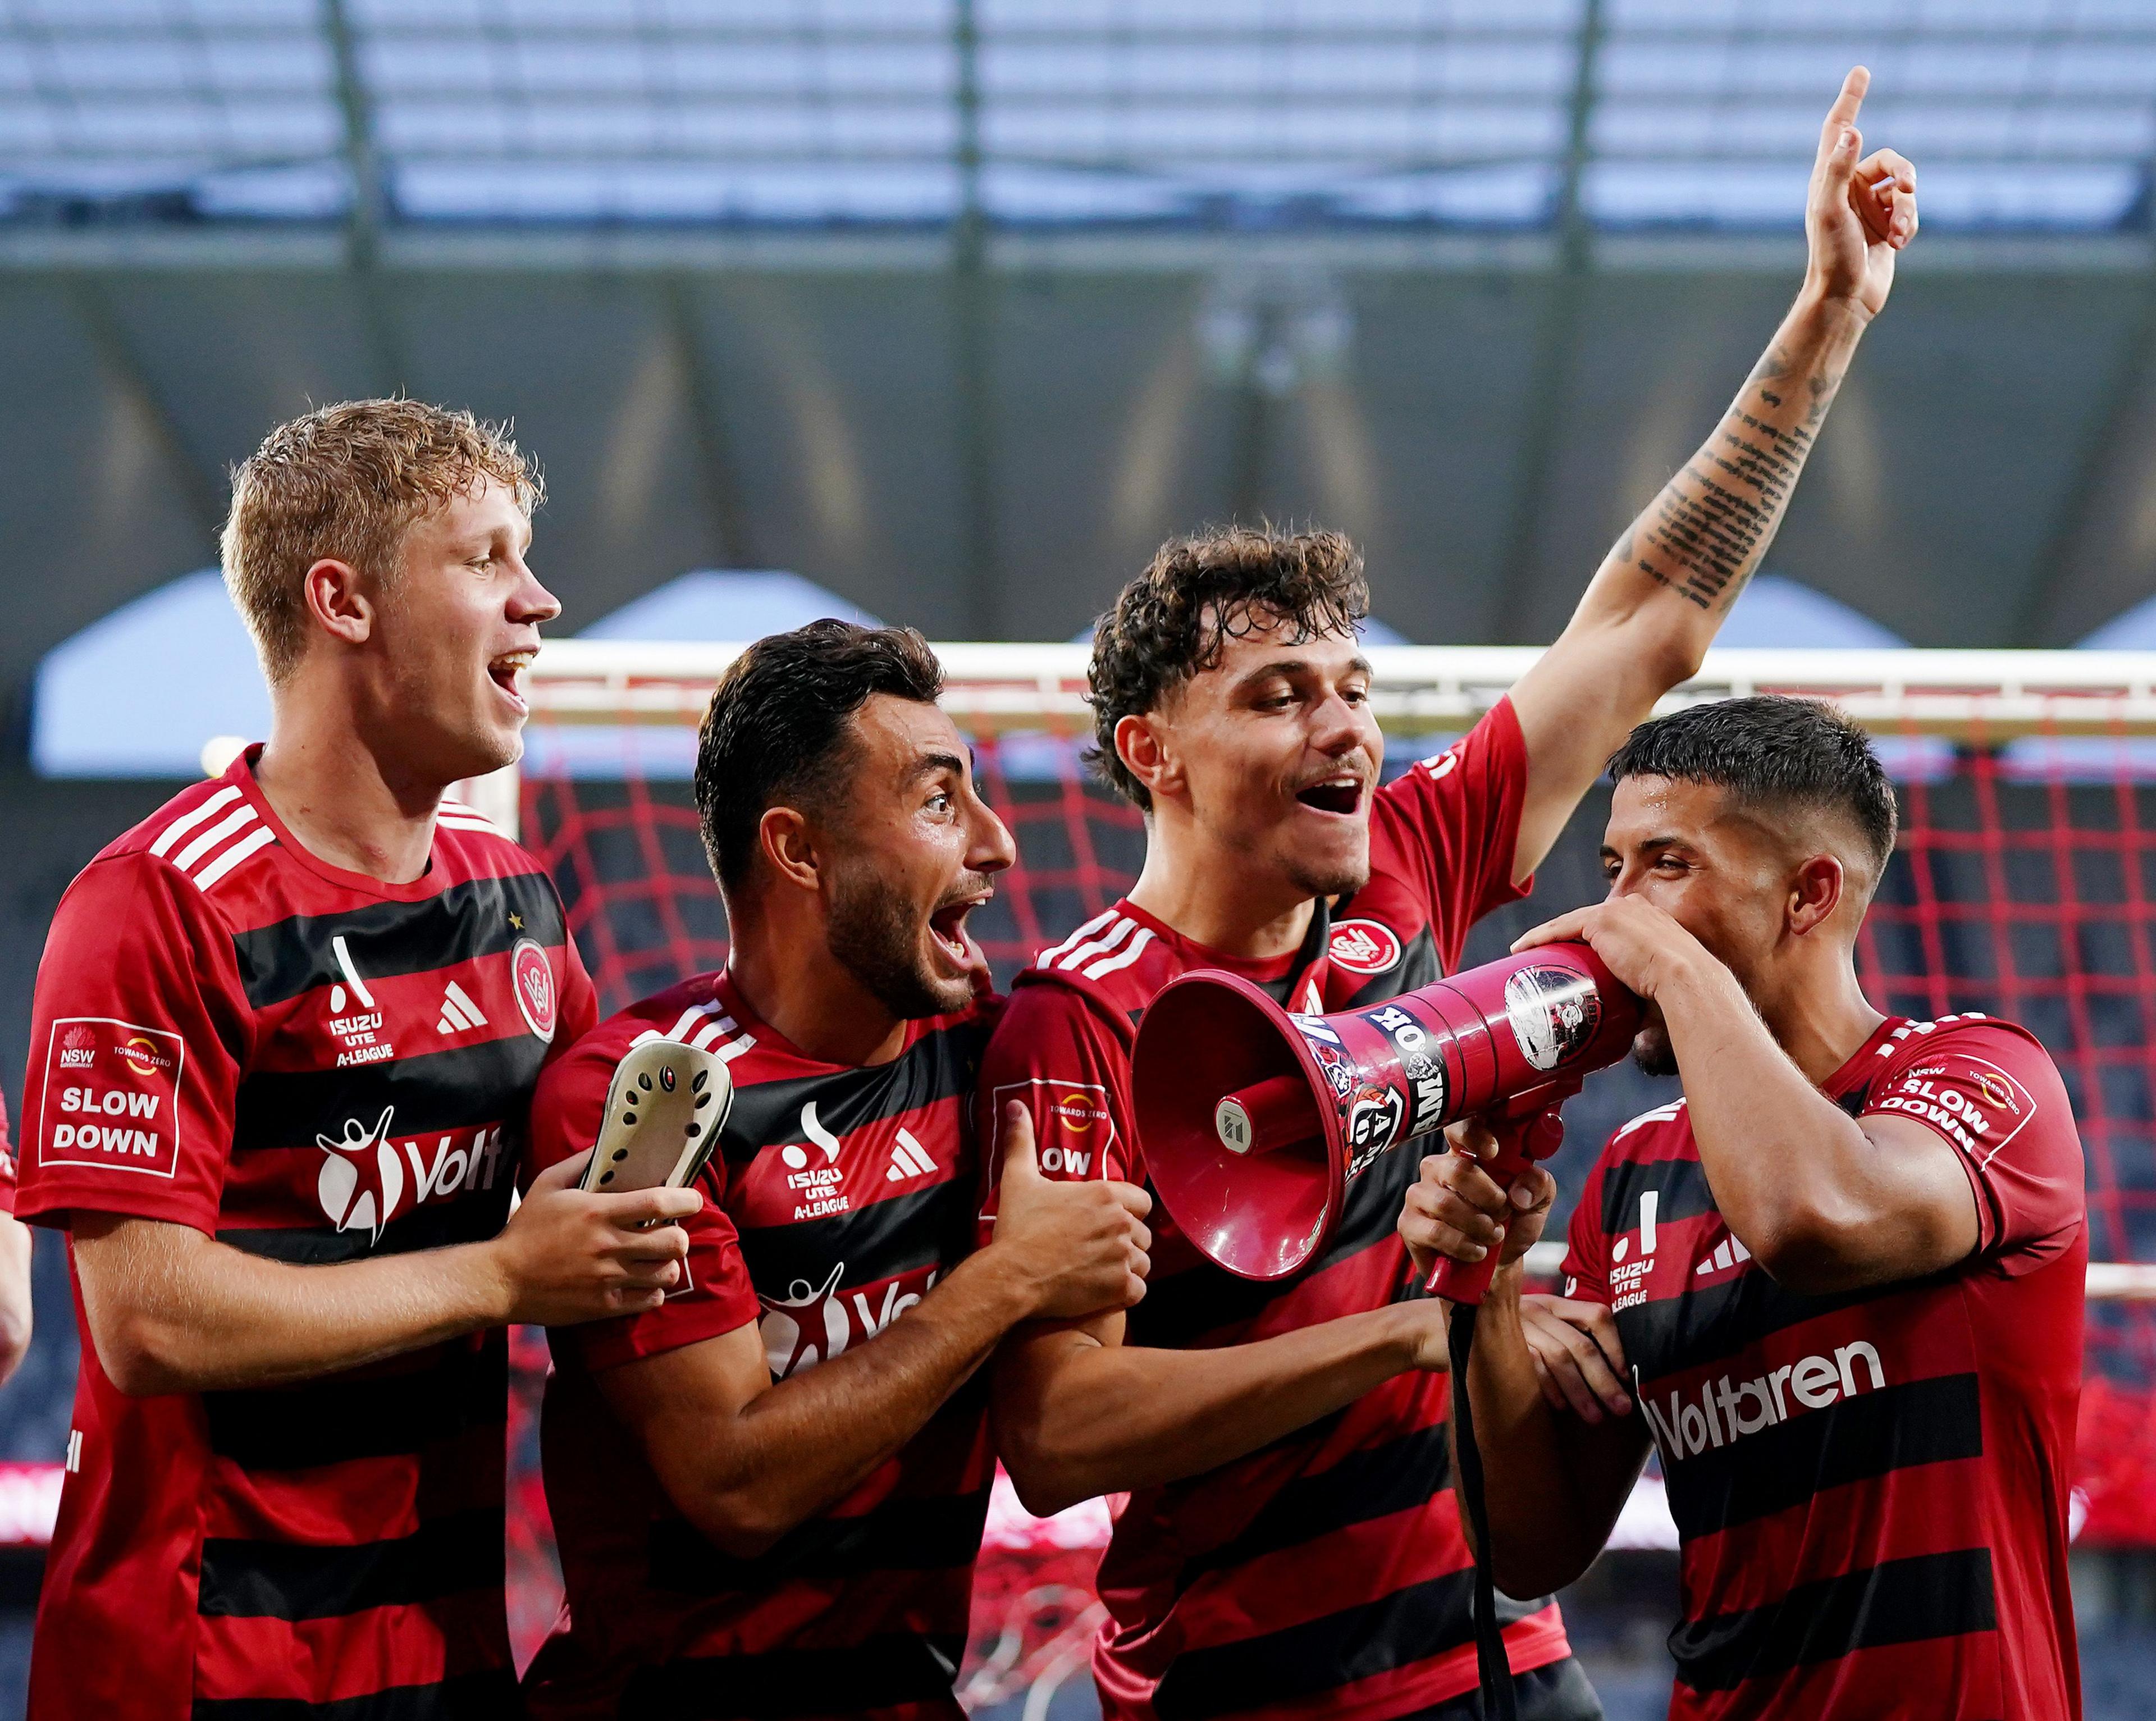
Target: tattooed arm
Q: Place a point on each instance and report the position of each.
(1654, 605)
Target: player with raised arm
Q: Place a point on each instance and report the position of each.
(769, 1492)
(1291, 1547)
(285, 1034)
(1843, 1272)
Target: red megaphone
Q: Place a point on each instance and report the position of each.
(1255, 1120)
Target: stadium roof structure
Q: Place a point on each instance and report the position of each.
(1507, 113)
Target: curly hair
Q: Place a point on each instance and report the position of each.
(1197, 593)
(346, 482)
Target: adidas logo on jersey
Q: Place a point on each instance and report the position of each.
(908, 1159)
(459, 1012)
(1727, 1254)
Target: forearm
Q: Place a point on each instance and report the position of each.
(1783, 1160)
(812, 1438)
(1702, 537)
(16, 1322)
(1549, 1504)
(171, 1310)
(1075, 1418)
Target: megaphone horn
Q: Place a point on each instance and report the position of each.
(1254, 1122)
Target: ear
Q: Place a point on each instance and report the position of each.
(1146, 756)
(789, 846)
(337, 602)
(1815, 893)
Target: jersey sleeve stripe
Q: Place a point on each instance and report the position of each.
(254, 841)
(210, 838)
(1114, 935)
(1046, 958)
(1108, 965)
(187, 821)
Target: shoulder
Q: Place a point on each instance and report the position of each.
(1115, 962)
(476, 847)
(673, 1014)
(203, 838)
(1979, 1079)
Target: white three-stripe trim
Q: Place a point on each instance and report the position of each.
(1047, 958)
(1123, 928)
(1109, 964)
(187, 821)
(260, 838)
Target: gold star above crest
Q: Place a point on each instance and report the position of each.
(517, 921)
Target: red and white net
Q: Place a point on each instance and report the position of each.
(2024, 885)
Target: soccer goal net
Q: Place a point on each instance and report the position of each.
(2024, 884)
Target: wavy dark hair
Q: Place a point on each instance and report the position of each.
(779, 728)
(1197, 593)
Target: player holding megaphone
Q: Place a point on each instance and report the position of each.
(1292, 1546)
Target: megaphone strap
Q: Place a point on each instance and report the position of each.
(1491, 1662)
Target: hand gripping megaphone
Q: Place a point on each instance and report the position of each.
(1255, 1120)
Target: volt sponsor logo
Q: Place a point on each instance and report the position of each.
(812, 1323)
(1726, 1411)
(363, 1179)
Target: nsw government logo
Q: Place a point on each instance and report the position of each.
(533, 982)
(1363, 947)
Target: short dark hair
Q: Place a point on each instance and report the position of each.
(1170, 622)
(1774, 752)
(779, 726)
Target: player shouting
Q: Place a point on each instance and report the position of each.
(283, 1031)
(769, 1492)
(1291, 1547)
(1845, 1269)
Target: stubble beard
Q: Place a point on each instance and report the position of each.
(875, 936)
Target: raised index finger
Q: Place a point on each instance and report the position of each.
(1844, 110)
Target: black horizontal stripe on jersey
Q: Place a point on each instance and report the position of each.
(458, 924)
(460, 1088)
(1320, 1655)
(1372, 1482)
(1896, 1601)
(875, 1242)
(904, 1535)
(1856, 1439)
(489, 1695)
(292, 1581)
(935, 1067)
(468, 1218)
(1670, 1334)
(1181, 1308)
(839, 1680)
(371, 1416)
(1679, 1186)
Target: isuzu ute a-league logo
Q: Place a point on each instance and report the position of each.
(1554, 1012)
(533, 981)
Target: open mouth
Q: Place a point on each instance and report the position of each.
(948, 926)
(505, 669)
(1342, 795)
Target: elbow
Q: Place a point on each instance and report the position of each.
(1805, 1250)
(1682, 658)
(1528, 1577)
(142, 1356)
(738, 1527)
(1044, 1482)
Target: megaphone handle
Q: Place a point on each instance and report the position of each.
(1517, 1140)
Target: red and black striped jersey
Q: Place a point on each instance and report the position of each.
(1872, 1488)
(313, 1066)
(1326, 1575)
(838, 1197)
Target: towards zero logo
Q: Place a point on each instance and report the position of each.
(533, 982)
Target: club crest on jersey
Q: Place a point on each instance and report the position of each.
(1554, 1011)
(1363, 947)
(533, 979)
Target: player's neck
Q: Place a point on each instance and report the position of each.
(1218, 900)
(787, 976)
(1821, 1020)
(345, 802)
